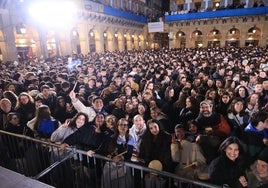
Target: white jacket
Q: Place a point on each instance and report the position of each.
(80, 107)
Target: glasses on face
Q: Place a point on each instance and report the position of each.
(123, 125)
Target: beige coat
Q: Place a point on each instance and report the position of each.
(188, 156)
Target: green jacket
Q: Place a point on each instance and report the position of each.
(254, 182)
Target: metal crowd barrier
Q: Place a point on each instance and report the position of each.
(72, 168)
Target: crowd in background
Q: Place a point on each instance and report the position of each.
(195, 108)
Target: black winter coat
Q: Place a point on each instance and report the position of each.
(86, 138)
(157, 148)
(222, 170)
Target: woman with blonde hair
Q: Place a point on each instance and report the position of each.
(12, 97)
(25, 107)
(5, 108)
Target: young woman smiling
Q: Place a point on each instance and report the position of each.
(230, 165)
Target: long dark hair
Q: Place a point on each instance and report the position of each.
(112, 145)
(72, 124)
(147, 134)
(231, 108)
(42, 113)
(228, 141)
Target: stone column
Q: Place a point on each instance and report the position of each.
(65, 43)
(83, 31)
(10, 51)
(43, 43)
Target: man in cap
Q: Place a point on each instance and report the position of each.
(257, 176)
(214, 129)
(91, 111)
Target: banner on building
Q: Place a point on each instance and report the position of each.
(155, 27)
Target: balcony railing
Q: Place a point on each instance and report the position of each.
(217, 14)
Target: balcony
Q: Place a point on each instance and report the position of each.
(217, 14)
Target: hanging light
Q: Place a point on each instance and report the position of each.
(196, 32)
(214, 31)
(23, 30)
(180, 33)
(233, 30)
(254, 29)
(74, 33)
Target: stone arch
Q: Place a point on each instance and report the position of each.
(233, 37)
(214, 37)
(253, 36)
(197, 38)
(180, 39)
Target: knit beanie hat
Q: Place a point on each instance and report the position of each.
(264, 155)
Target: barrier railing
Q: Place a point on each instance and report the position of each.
(72, 168)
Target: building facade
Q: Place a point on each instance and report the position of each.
(110, 25)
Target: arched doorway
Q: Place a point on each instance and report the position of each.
(253, 36)
(92, 42)
(161, 40)
(232, 37)
(24, 41)
(197, 37)
(214, 37)
(181, 39)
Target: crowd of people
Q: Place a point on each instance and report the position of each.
(194, 110)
